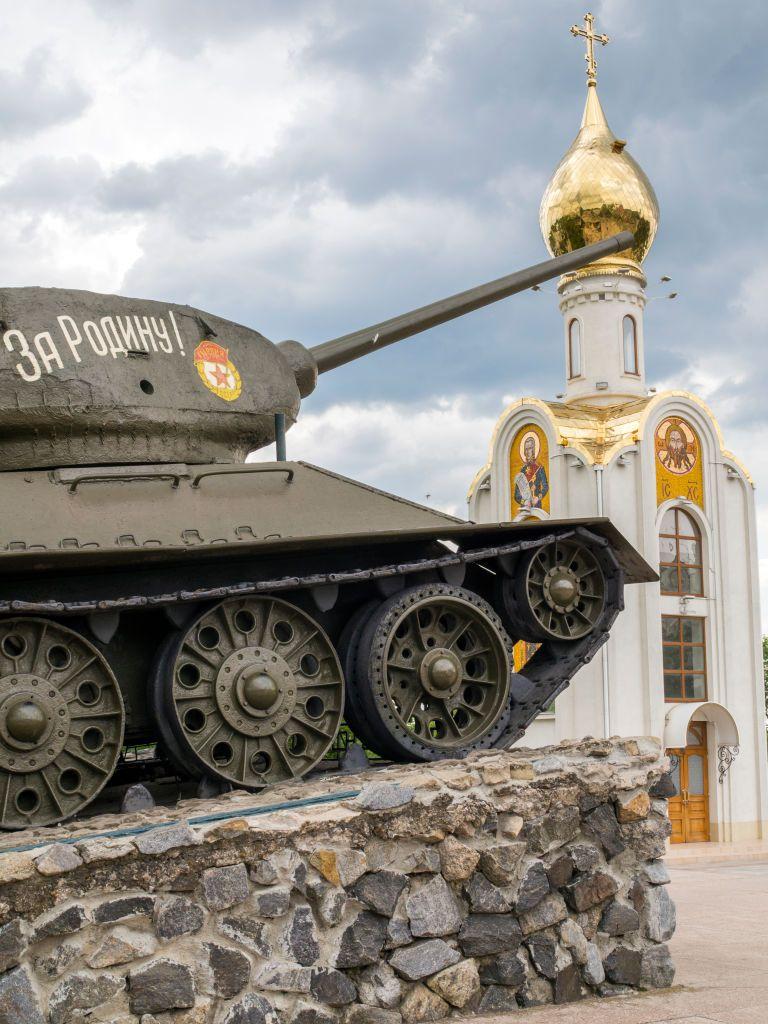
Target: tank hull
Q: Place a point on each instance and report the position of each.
(140, 562)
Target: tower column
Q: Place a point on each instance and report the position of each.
(603, 331)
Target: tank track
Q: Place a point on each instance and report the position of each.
(546, 675)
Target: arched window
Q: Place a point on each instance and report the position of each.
(680, 562)
(574, 349)
(629, 328)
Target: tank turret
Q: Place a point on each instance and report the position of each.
(91, 379)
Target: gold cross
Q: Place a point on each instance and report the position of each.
(591, 37)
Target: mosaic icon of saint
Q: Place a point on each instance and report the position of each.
(531, 484)
(677, 458)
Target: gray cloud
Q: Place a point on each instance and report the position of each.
(37, 95)
(418, 173)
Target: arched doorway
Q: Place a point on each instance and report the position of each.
(690, 731)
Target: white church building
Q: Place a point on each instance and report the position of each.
(683, 662)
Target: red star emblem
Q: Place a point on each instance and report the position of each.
(221, 375)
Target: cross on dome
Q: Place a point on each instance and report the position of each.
(588, 33)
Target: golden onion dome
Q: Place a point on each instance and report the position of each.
(597, 190)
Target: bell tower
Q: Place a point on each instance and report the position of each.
(597, 190)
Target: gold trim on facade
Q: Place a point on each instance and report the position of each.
(598, 434)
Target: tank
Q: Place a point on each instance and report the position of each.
(158, 591)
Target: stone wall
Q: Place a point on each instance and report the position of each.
(503, 881)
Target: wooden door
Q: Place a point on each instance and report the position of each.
(689, 808)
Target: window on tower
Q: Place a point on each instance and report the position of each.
(680, 561)
(574, 349)
(685, 660)
(629, 328)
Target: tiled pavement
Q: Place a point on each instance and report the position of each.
(720, 949)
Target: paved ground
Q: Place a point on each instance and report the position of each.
(720, 950)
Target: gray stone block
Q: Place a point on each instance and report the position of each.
(225, 887)
(277, 976)
(568, 987)
(485, 897)
(423, 959)
(122, 946)
(60, 922)
(484, 934)
(506, 968)
(252, 1009)
(58, 859)
(380, 890)
(373, 1015)
(330, 907)
(619, 919)
(57, 961)
(123, 907)
(176, 915)
(549, 912)
(602, 825)
(657, 969)
(498, 999)
(623, 966)
(13, 943)
(398, 932)
(18, 1002)
(589, 890)
(137, 798)
(433, 910)
(536, 991)
(584, 857)
(533, 888)
(168, 837)
(560, 871)
(332, 987)
(304, 1013)
(263, 872)
(661, 918)
(161, 985)
(593, 971)
(655, 872)
(362, 941)
(543, 950)
(81, 992)
(247, 932)
(384, 797)
(301, 937)
(553, 829)
(230, 968)
(272, 902)
(378, 985)
(499, 863)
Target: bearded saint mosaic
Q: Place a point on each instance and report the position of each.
(529, 470)
(678, 461)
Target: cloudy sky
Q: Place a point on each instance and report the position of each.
(311, 166)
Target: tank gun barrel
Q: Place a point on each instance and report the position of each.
(339, 351)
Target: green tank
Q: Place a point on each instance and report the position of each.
(155, 588)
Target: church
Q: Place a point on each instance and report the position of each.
(683, 662)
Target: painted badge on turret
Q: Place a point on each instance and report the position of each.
(217, 371)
